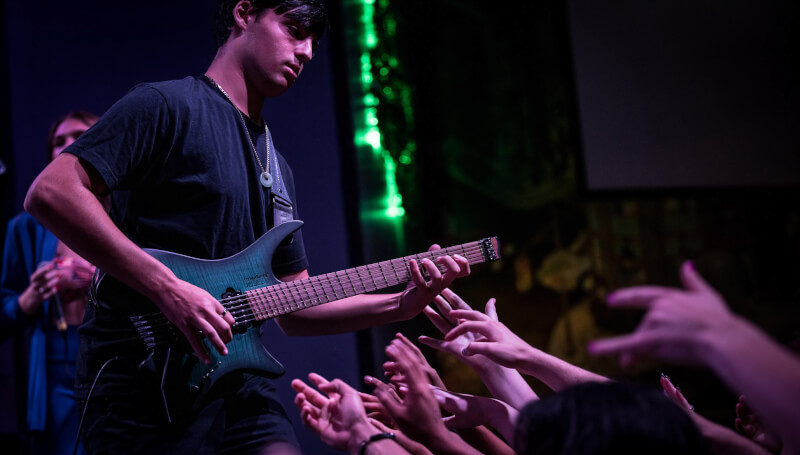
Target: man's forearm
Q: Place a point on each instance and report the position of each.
(345, 315)
(749, 362)
(61, 199)
(556, 373)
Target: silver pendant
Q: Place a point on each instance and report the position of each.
(266, 179)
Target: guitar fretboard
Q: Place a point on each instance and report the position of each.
(271, 301)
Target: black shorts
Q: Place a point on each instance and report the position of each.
(240, 415)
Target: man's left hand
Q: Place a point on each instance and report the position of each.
(420, 292)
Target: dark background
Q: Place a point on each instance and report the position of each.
(687, 93)
(562, 155)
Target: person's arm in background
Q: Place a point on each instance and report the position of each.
(24, 286)
(505, 384)
(504, 347)
(721, 440)
(479, 437)
(693, 326)
(417, 413)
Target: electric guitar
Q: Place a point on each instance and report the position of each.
(250, 292)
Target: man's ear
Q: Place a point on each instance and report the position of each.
(241, 14)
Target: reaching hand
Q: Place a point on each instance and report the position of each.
(750, 425)
(337, 416)
(396, 376)
(469, 411)
(445, 322)
(491, 338)
(374, 408)
(417, 413)
(505, 384)
(676, 324)
(420, 292)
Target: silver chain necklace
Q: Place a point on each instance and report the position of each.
(266, 177)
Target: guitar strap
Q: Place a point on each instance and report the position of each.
(278, 197)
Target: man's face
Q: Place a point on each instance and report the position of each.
(277, 47)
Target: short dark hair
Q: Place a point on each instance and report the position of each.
(87, 118)
(310, 14)
(606, 418)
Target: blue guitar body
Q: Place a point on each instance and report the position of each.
(249, 269)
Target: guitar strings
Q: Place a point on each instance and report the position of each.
(266, 301)
(297, 291)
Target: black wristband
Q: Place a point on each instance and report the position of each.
(373, 438)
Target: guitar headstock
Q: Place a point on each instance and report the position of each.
(490, 247)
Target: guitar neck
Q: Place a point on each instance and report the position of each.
(271, 301)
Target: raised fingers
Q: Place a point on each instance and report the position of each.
(630, 345)
(438, 321)
(469, 326)
(491, 309)
(386, 395)
(444, 306)
(638, 296)
(309, 393)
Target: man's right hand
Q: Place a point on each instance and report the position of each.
(198, 315)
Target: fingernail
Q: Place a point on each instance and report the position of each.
(663, 375)
(368, 379)
(610, 298)
(691, 265)
(591, 347)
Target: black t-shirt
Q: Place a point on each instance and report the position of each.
(182, 172)
(182, 178)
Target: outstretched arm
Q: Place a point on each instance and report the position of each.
(417, 414)
(694, 326)
(498, 343)
(505, 384)
(721, 440)
(63, 198)
(469, 411)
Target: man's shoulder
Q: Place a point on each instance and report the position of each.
(178, 90)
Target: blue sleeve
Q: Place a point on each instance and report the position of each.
(19, 261)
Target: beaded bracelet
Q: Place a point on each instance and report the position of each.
(373, 438)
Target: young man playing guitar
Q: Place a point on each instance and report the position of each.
(191, 169)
